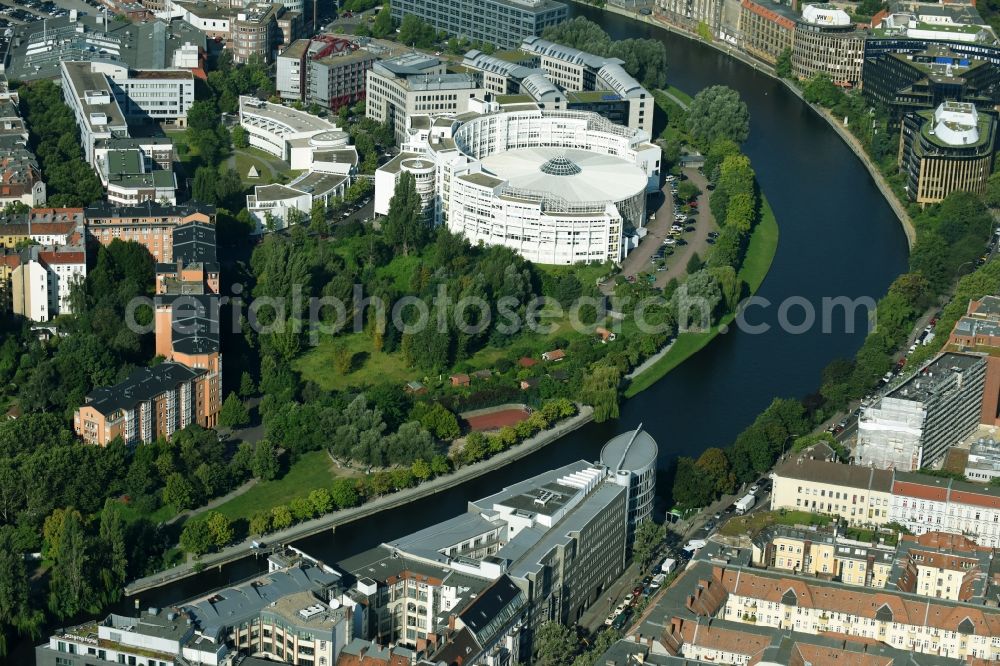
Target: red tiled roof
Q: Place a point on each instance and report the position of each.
(919, 491)
(63, 257)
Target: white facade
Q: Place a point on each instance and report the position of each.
(291, 135)
(30, 283)
(558, 187)
(913, 425)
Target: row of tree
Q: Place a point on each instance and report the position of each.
(645, 59)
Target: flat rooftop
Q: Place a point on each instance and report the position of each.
(934, 376)
(296, 122)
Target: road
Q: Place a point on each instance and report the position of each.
(640, 260)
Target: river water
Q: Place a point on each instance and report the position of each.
(838, 238)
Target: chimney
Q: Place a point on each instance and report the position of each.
(451, 622)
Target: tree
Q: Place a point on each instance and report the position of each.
(405, 226)
(600, 390)
(716, 471)
(344, 493)
(321, 501)
(281, 517)
(179, 493)
(260, 522)
(440, 422)
(196, 537)
(343, 358)
(821, 90)
(648, 537)
(220, 528)
(690, 491)
(301, 508)
(234, 412)
(783, 67)
(383, 27)
(203, 188)
(413, 31)
(247, 387)
(240, 137)
(421, 469)
(317, 217)
(265, 464)
(15, 610)
(717, 112)
(687, 191)
(555, 645)
(70, 590)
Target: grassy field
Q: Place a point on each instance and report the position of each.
(760, 254)
(679, 94)
(752, 525)
(369, 367)
(586, 273)
(311, 471)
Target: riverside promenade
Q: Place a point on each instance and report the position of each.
(332, 520)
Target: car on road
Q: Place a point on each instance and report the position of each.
(710, 240)
(628, 598)
(754, 488)
(729, 509)
(646, 581)
(619, 608)
(637, 590)
(710, 525)
(609, 620)
(670, 241)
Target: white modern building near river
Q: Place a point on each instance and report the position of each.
(558, 187)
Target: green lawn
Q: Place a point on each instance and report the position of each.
(161, 515)
(312, 470)
(753, 524)
(585, 273)
(370, 367)
(679, 94)
(400, 271)
(760, 254)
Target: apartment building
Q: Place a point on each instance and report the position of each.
(945, 566)
(20, 177)
(255, 31)
(326, 70)
(823, 554)
(913, 425)
(932, 504)
(774, 616)
(415, 84)
(503, 23)
(860, 495)
(152, 402)
(949, 149)
(150, 224)
(979, 327)
(42, 226)
(826, 41)
(766, 32)
(919, 502)
(689, 14)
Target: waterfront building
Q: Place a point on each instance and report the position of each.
(949, 149)
(541, 549)
(907, 80)
(590, 83)
(826, 41)
(325, 70)
(558, 187)
(860, 495)
(631, 460)
(503, 23)
(690, 14)
(415, 84)
(150, 224)
(149, 637)
(766, 32)
(913, 425)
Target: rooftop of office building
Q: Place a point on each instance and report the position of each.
(935, 376)
(95, 96)
(632, 450)
(837, 474)
(296, 122)
(37, 50)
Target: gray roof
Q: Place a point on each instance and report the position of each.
(562, 533)
(235, 605)
(476, 59)
(544, 47)
(633, 450)
(522, 495)
(540, 88)
(848, 476)
(408, 64)
(430, 541)
(142, 385)
(935, 376)
(316, 183)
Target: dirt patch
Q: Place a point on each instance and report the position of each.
(497, 420)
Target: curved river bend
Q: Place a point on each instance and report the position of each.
(838, 238)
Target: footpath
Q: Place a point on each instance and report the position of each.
(332, 520)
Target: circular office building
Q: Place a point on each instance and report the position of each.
(559, 187)
(631, 461)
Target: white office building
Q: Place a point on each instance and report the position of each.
(913, 425)
(288, 134)
(558, 187)
(631, 461)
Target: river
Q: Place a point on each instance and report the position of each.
(838, 238)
